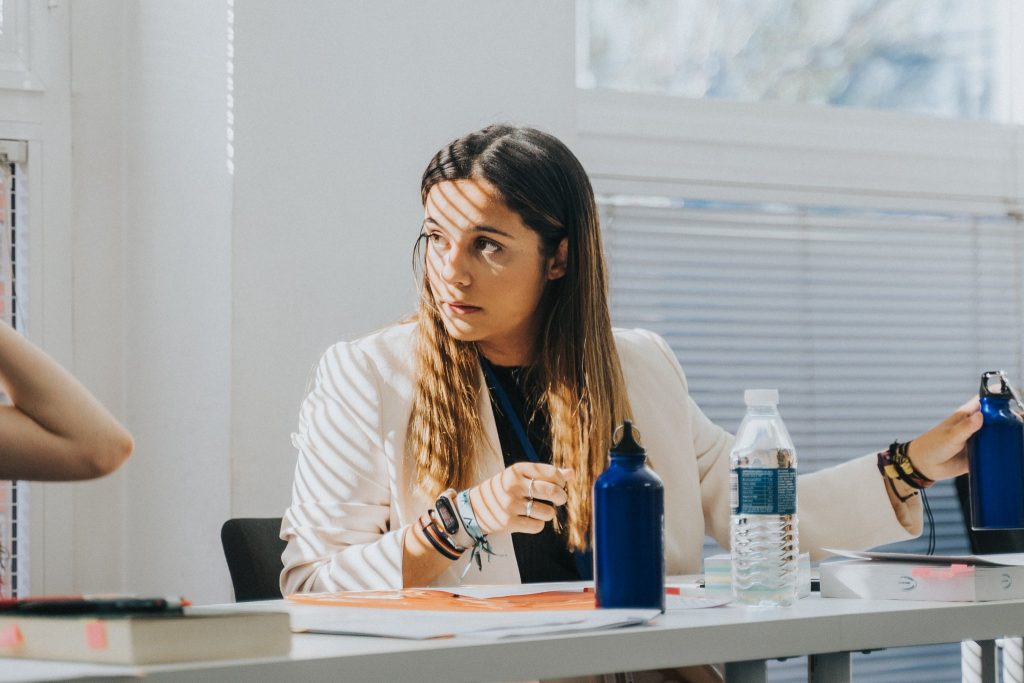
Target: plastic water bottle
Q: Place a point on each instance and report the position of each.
(995, 456)
(765, 550)
(629, 529)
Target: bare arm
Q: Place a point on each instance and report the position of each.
(421, 564)
(55, 429)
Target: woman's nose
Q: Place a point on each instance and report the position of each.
(455, 268)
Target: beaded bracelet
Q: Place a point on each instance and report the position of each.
(896, 464)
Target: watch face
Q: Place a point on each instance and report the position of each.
(447, 515)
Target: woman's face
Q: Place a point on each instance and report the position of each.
(486, 269)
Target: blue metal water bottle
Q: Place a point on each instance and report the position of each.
(996, 458)
(629, 529)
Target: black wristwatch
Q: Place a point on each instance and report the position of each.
(447, 509)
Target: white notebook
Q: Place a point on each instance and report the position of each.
(906, 576)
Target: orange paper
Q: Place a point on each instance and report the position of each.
(445, 601)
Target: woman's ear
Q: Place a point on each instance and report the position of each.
(557, 262)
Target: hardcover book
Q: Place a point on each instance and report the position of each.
(146, 639)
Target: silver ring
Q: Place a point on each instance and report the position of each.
(529, 507)
(529, 491)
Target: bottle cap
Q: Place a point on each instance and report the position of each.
(761, 397)
(627, 443)
(1004, 390)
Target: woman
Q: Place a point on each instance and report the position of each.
(54, 429)
(511, 355)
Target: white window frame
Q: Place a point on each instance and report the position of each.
(35, 97)
(799, 154)
(806, 154)
(22, 53)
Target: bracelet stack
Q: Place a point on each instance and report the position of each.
(451, 528)
(436, 537)
(894, 464)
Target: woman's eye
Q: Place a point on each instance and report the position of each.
(488, 246)
(435, 238)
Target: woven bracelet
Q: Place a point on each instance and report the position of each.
(480, 542)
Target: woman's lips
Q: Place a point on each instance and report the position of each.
(461, 309)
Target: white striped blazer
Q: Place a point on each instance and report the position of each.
(354, 495)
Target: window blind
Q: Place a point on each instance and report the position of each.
(874, 326)
(13, 309)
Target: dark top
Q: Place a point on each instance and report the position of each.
(544, 556)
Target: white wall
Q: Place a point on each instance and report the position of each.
(178, 319)
(35, 107)
(211, 296)
(98, 196)
(152, 300)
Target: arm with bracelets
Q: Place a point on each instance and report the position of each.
(521, 498)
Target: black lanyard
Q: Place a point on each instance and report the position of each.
(584, 559)
(509, 410)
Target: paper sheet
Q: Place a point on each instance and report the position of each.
(992, 560)
(315, 613)
(362, 621)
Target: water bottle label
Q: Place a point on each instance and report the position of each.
(763, 491)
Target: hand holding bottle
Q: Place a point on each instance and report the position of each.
(941, 452)
(521, 498)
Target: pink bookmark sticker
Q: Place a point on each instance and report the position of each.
(951, 572)
(96, 635)
(11, 636)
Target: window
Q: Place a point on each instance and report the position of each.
(944, 58)
(13, 309)
(823, 228)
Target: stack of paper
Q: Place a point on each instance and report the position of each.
(907, 576)
(490, 612)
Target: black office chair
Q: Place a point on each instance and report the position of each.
(987, 540)
(253, 552)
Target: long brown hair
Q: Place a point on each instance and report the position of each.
(577, 369)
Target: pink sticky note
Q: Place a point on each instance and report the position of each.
(11, 636)
(96, 635)
(951, 572)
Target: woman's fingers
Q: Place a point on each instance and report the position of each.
(940, 453)
(538, 471)
(522, 498)
(537, 509)
(486, 506)
(968, 420)
(545, 490)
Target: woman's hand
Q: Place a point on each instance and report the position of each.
(521, 498)
(941, 452)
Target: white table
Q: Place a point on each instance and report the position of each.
(827, 630)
